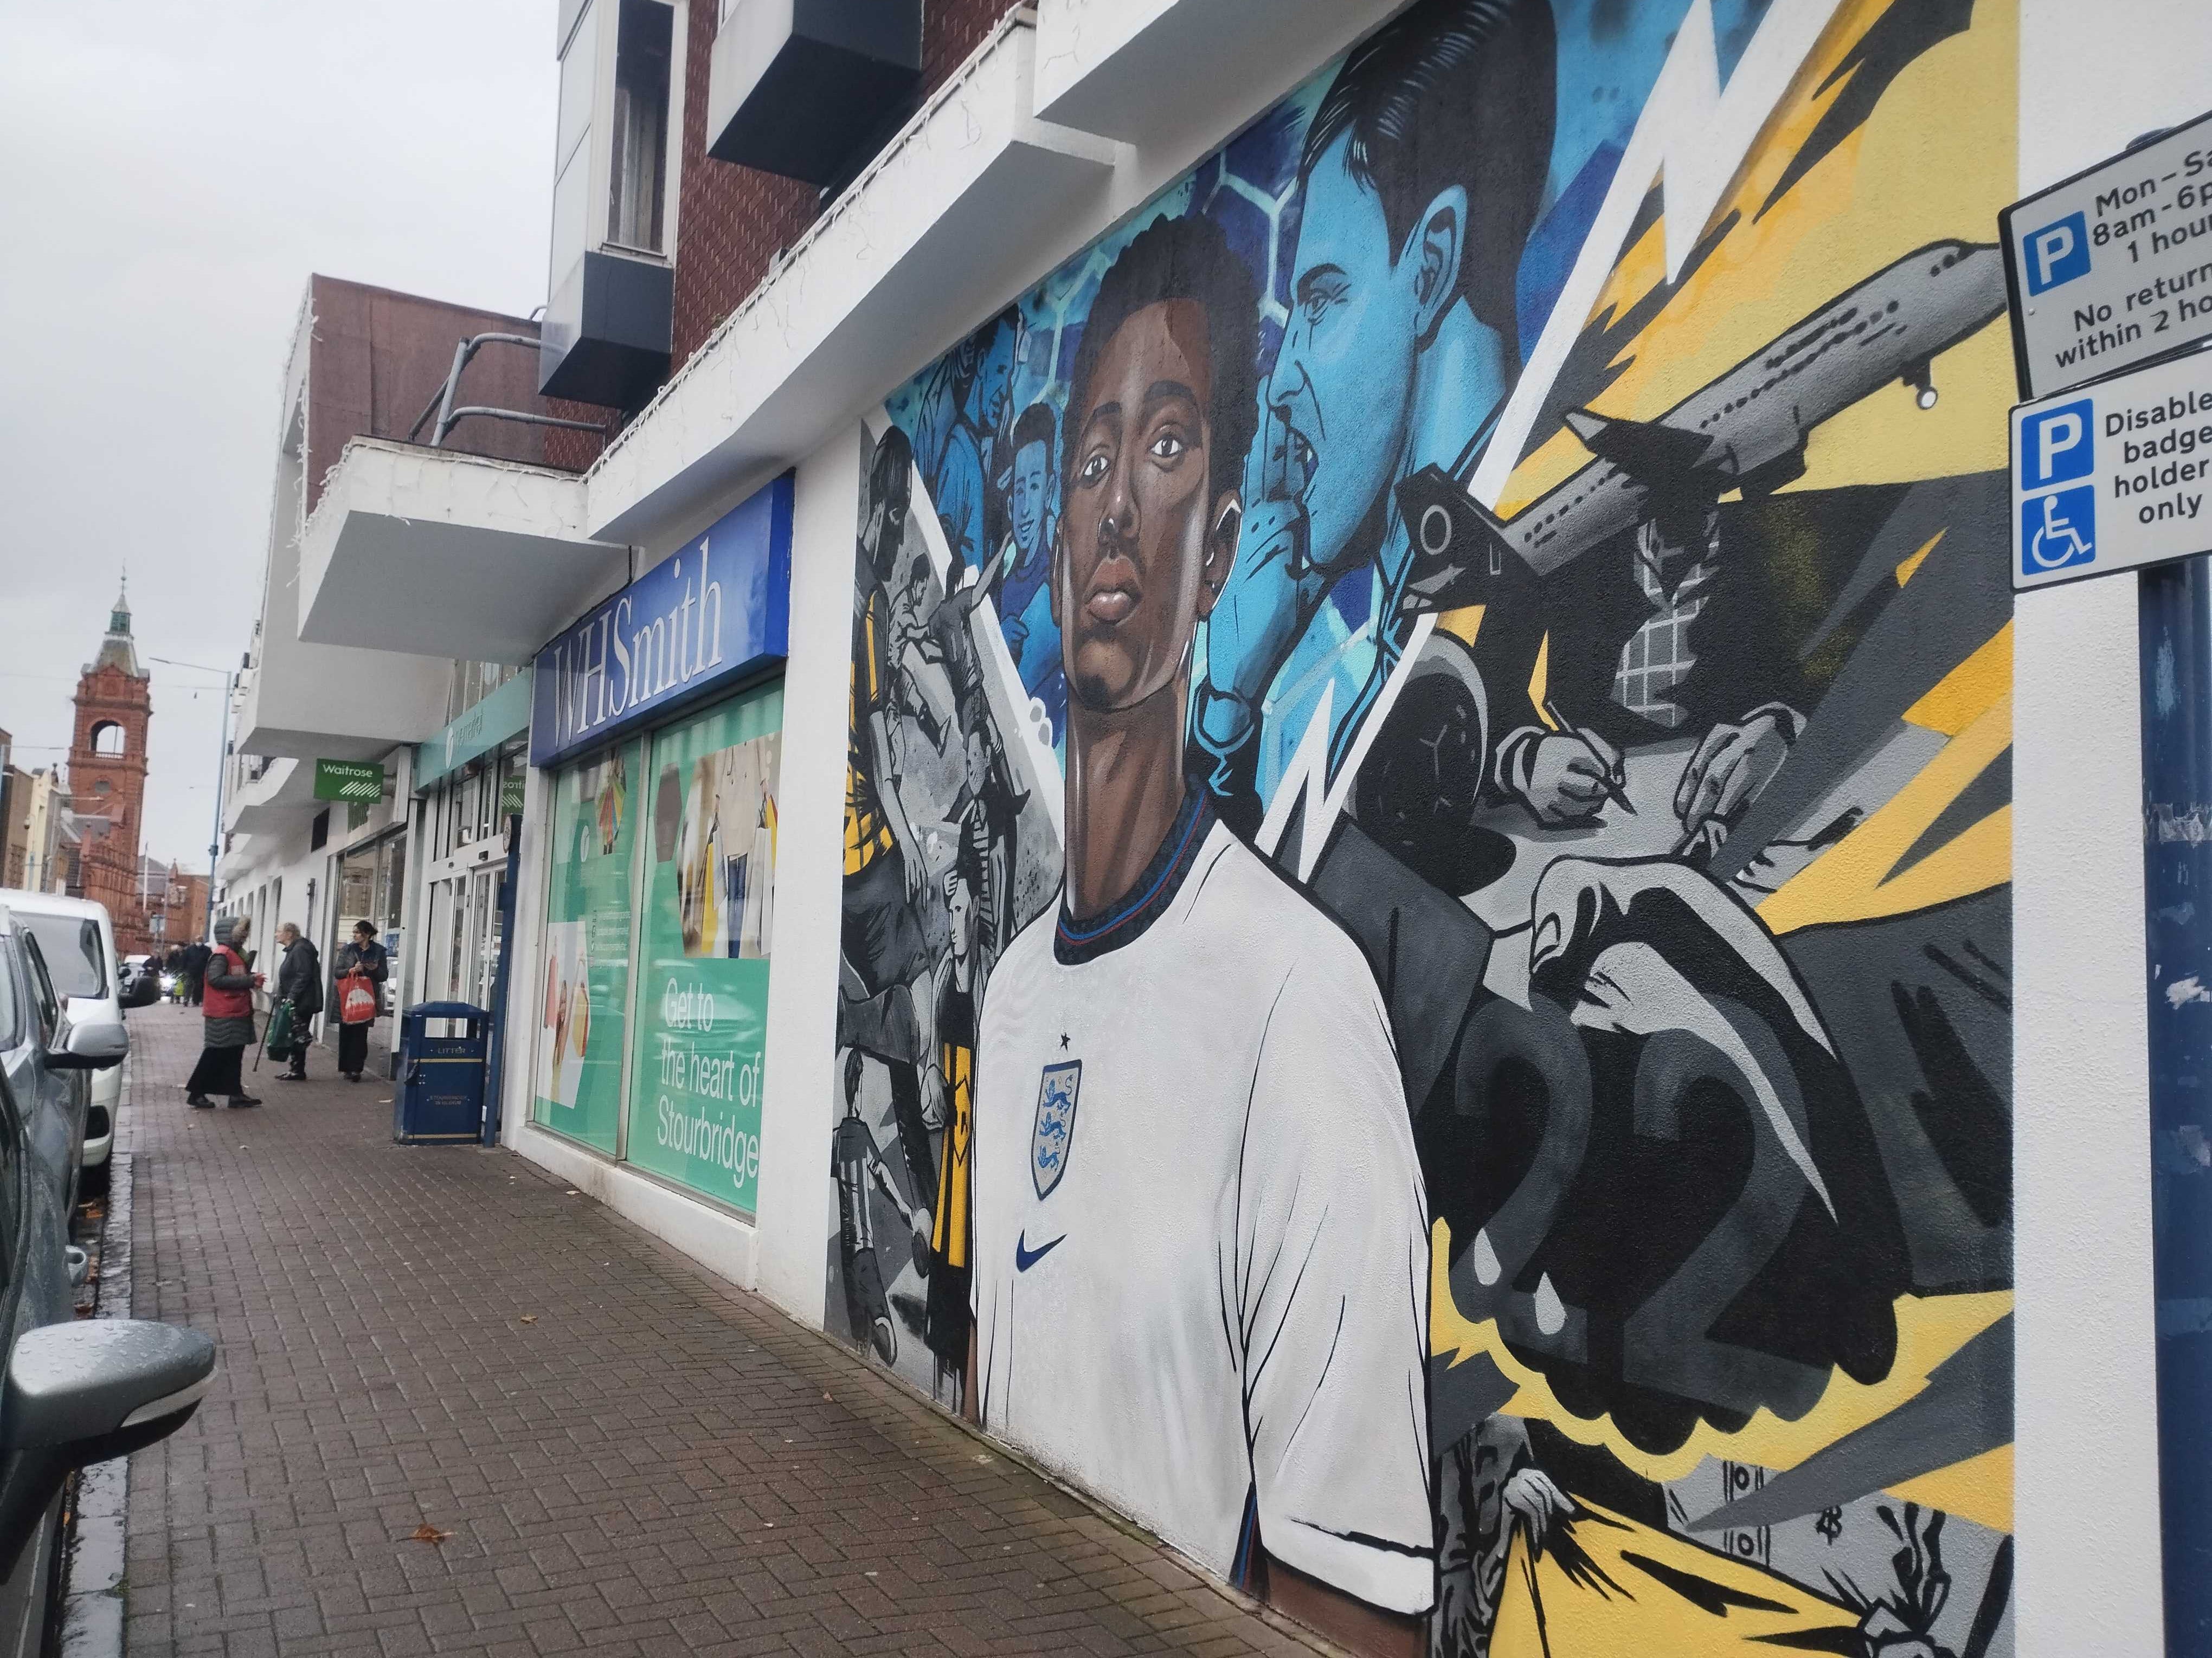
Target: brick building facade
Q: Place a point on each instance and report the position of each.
(732, 221)
(108, 775)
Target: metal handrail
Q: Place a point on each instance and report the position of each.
(441, 402)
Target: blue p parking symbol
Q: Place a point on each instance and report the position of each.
(2057, 444)
(2058, 254)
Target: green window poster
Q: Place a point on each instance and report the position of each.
(703, 963)
(586, 986)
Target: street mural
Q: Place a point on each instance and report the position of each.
(1427, 930)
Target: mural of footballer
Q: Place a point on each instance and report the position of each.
(1201, 1249)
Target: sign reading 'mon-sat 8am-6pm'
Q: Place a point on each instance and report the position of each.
(2115, 474)
(2112, 267)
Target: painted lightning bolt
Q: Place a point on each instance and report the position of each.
(1690, 140)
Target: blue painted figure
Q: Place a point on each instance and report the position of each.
(1422, 173)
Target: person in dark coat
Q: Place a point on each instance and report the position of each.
(195, 965)
(373, 962)
(299, 981)
(228, 1022)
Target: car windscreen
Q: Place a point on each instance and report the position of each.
(71, 947)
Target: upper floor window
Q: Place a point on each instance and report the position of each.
(610, 290)
(638, 160)
(108, 737)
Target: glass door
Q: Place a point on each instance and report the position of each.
(485, 928)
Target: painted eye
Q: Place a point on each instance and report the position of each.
(1094, 470)
(1167, 446)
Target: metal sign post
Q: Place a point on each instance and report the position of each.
(2175, 621)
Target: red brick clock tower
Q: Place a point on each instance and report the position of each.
(107, 774)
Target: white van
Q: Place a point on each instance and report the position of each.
(77, 941)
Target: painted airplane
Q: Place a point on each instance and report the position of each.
(1745, 430)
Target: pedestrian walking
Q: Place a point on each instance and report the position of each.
(228, 985)
(195, 962)
(299, 981)
(364, 958)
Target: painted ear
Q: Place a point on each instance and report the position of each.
(1220, 549)
(1442, 237)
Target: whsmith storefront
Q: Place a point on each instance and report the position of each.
(657, 721)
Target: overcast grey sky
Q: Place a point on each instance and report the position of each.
(169, 175)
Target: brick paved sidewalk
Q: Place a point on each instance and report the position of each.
(630, 1455)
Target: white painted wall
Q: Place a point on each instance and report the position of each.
(2093, 76)
(795, 1195)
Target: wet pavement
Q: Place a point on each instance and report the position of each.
(461, 1409)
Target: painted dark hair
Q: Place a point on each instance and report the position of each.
(1454, 92)
(967, 867)
(1181, 259)
(1038, 424)
(891, 465)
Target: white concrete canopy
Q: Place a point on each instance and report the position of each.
(1136, 69)
(441, 554)
(284, 792)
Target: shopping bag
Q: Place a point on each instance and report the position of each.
(278, 1038)
(356, 999)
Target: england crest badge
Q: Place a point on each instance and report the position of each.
(1053, 1136)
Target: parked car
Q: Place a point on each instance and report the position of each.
(139, 977)
(75, 1392)
(78, 943)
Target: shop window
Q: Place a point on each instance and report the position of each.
(583, 1002)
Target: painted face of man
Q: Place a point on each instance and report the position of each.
(994, 380)
(1032, 466)
(960, 913)
(979, 762)
(885, 531)
(1144, 543)
(1343, 382)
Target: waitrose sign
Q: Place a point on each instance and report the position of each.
(349, 780)
(716, 615)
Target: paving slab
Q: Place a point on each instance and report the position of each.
(616, 1452)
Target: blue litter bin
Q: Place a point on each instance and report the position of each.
(440, 1097)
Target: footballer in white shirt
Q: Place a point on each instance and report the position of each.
(1200, 1244)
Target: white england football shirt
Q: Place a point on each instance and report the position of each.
(1201, 1258)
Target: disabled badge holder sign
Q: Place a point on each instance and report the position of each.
(2113, 475)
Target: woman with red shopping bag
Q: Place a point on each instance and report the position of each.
(363, 966)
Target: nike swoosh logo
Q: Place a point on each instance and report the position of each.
(1025, 1257)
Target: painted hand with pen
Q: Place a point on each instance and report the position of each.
(1573, 772)
(1726, 774)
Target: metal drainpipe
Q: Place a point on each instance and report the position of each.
(2174, 624)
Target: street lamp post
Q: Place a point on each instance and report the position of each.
(222, 771)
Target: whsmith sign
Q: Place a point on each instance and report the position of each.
(2113, 267)
(716, 613)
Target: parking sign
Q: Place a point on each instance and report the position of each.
(2108, 270)
(2057, 444)
(2115, 476)
(2058, 254)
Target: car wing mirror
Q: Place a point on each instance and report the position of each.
(82, 1392)
(94, 1046)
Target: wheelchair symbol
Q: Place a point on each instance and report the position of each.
(2058, 529)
